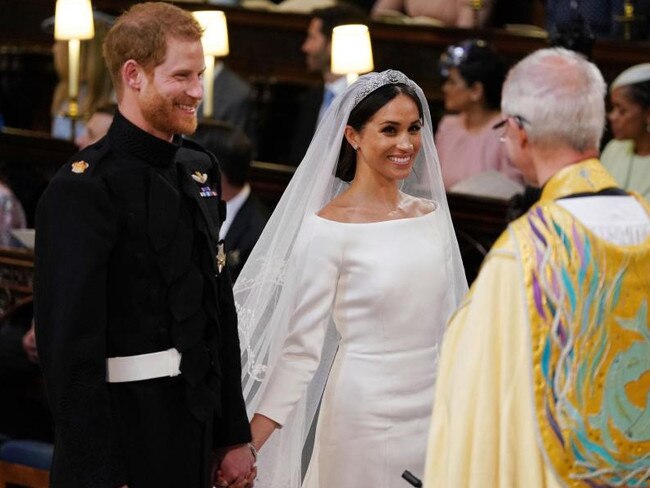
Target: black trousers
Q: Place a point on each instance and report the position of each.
(165, 446)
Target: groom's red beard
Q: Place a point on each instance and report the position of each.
(170, 115)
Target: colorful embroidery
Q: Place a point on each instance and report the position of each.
(591, 346)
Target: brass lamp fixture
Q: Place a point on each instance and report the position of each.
(627, 19)
(351, 51)
(73, 22)
(476, 6)
(215, 44)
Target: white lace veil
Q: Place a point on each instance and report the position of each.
(265, 291)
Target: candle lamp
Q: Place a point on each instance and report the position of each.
(215, 44)
(351, 51)
(73, 22)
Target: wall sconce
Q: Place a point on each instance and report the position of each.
(351, 51)
(215, 44)
(477, 6)
(73, 22)
(627, 19)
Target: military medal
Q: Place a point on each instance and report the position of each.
(221, 256)
(200, 177)
(79, 167)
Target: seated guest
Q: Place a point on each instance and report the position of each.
(97, 125)
(627, 157)
(598, 15)
(543, 378)
(452, 13)
(466, 143)
(24, 412)
(245, 215)
(12, 215)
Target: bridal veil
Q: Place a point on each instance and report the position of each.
(265, 291)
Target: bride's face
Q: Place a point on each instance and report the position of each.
(390, 140)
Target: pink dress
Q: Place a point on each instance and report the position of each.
(464, 154)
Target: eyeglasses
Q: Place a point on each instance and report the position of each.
(520, 121)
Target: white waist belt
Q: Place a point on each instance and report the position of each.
(143, 366)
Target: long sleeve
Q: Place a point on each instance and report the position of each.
(316, 268)
(76, 229)
(482, 430)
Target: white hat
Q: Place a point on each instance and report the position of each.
(631, 76)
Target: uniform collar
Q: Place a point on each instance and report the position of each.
(588, 176)
(139, 143)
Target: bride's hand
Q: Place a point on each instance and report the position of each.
(261, 429)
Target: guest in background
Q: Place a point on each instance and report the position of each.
(232, 98)
(627, 157)
(24, 412)
(97, 125)
(598, 15)
(317, 47)
(467, 145)
(12, 215)
(245, 214)
(452, 13)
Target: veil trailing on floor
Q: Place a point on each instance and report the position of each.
(266, 291)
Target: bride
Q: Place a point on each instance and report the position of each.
(344, 300)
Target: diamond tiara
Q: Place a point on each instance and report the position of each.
(373, 81)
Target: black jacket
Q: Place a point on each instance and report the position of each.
(125, 265)
(245, 230)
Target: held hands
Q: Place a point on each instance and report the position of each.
(236, 467)
(237, 463)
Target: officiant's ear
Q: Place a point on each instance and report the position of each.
(352, 137)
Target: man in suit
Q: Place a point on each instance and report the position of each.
(317, 48)
(245, 214)
(232, 98)
(135, 320)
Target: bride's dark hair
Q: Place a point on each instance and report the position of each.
(361, 114)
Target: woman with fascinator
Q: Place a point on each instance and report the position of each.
(344, 300)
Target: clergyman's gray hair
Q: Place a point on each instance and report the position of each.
(561, 95)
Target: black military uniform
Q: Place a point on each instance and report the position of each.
(126, 265)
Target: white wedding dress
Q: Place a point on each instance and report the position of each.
(385, 285)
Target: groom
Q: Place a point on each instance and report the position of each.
(136, 325)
